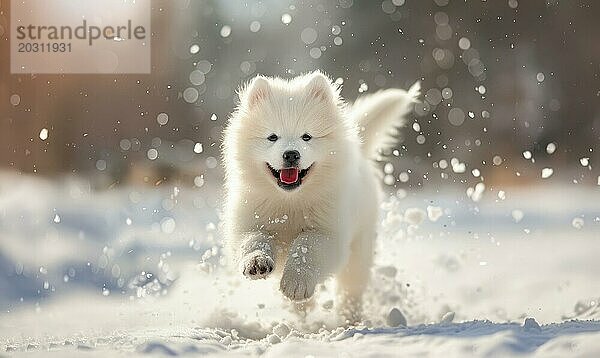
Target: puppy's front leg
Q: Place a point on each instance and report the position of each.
(256, 255)
(309, 262)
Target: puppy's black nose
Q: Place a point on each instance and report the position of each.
(291, 157)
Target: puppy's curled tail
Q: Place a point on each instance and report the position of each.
(380, 115)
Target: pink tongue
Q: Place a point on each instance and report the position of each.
(289, 175)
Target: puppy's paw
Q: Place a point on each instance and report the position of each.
(297, 283)
(257, 265)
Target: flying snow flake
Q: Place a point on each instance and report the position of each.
(255, 26)
(433, 96)
(403, 177)
(434, 213)
(476, 193)
(204, 66)
(457, 166)
(388, 168)
(225, 31)
(198, 148)
(194, 49)
(190, 95)
(447, 93)
(213, 117)
(444, 31)
(199, 181)
(551, 148)
(315, 52)
(101, 164)
(247, 67)
(56, 218)
(125, 144)
(517, 215)
(547, 173)
(554, 105)
(416, 127)
(44, 134)
(401, 193)
(286, 18)
(167, 225)
(464, 43)
(476, 68)
(308, 35)
(388, 7)
(414, 216)
(211, 162)
(540, 77)
(15, 99)
(527, 155)
(389, 179)
(128, 221)
(585, 161)
(162, 118)
(152, 154)
(456, 116)
(501, 194)
(476, 173)
(578, 223)
(196, 77)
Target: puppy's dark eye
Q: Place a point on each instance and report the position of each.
(306, 137)
(273, 137)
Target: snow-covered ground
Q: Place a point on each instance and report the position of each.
(139, 271)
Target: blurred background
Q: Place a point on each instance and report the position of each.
(500, 78)
(107, 181)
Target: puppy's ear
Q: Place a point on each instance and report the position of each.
(320, 87)
(255, 92)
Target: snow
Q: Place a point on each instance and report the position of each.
(547, 173)
(434, 212)
(578, 223)
(414, 216)
(126, 274)
(43, 134)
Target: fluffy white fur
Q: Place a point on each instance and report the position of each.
(326, 226)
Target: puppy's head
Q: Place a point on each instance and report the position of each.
(285, 133)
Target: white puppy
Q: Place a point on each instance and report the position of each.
(302, 191)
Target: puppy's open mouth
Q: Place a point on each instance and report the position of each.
(288, 178)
